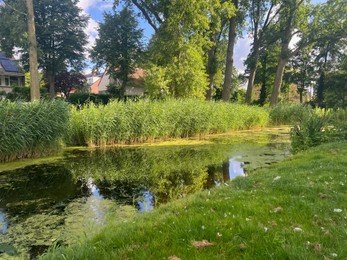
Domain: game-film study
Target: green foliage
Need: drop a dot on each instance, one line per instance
(31, 129)
(23, 93)
(59, 30)
(315, 128)
(308, 133)
(177, 52)
(82, 98)
(120, 122)
(288, 114)
(336, 89)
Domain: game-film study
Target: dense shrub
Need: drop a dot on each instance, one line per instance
(81, 98)
(317, 127)
(31, 129)
(120, 122)
(288, 114)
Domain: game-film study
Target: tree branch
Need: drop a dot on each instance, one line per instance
(14, 9)
(145, 14)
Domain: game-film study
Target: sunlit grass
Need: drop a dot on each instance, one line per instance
(31, 129)
(134, 122)
(295, 209)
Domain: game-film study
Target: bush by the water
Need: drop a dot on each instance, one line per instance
(31, 129)
(119, 122)
(288, 114)
(316, 128)
(81, 98)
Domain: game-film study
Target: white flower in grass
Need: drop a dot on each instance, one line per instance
(219, 234)
(297, 229)
(265, 229)
(203, 227)
(338, 210)
(333, 254)
(277, 178)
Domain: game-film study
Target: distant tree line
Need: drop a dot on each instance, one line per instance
(191, 53)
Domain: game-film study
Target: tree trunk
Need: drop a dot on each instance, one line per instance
(301, 90)
(211, 71)
(250, 85)
(227, 86)
(284, 56)
(263, 94)
(51, 80)
(278, 81)
(34, 73)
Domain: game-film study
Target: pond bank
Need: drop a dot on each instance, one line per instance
(294, 209)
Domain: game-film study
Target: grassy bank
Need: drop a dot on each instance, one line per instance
(119, 122)
(31, 129)
(292, 210)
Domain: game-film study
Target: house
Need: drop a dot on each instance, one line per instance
(135, 88)
(92, 78)
(10, 74)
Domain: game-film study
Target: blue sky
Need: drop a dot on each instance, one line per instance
(96, 8)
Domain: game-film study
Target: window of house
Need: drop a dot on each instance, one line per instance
(7, 81)
(13, 81)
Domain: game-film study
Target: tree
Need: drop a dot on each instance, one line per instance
(34, 78)
(60, 37)
(66, 81)
(261, 15)
(178, 50)
(204, 39)
(119, 45)
(293, 21)
(336, 85)
(59, 33)
(329, 31)
(229, 64)
(7, 40)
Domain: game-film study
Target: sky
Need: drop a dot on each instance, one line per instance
(95, 9)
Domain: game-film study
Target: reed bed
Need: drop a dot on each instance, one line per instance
(130, 122)
(31, 129)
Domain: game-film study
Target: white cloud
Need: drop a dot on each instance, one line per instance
(86, 4)
(241, 51)
(101, 5)
(92, 32)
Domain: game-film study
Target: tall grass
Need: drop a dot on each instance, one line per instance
(119, 122)
(288, 114)
(317, 127)
(31, 129)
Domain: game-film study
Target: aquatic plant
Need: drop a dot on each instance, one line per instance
(31, 129)
(119, 122)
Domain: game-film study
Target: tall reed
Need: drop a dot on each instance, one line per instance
(119, 122)
(31, 129)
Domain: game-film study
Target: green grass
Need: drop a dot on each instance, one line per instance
(295, 209)
(31, 129)
(134, 122)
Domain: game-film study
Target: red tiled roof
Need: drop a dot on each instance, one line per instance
(94, 88)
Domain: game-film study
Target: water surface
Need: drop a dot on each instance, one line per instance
(68, 198)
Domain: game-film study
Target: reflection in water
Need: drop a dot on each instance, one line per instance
(94, 201)
(146, 204)
(60, 201)
(3, 224)
(235, 167)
